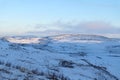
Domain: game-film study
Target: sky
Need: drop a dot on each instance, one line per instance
(81, 16)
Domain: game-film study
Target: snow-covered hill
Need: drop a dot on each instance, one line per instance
(61, 57)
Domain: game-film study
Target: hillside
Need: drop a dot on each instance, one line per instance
(61, 57)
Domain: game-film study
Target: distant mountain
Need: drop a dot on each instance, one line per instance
(80, 37)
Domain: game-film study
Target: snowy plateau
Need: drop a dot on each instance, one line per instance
(60, 57)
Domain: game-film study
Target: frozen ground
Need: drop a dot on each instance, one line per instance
(61, 57)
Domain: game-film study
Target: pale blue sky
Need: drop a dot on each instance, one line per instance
(18, 16)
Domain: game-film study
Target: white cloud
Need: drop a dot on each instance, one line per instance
(79, 27)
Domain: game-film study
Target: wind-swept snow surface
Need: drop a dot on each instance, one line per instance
(61, 57)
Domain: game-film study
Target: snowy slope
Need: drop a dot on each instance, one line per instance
(61, 57)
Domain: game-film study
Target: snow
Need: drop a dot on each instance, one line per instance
(25, 41)
(77, 57)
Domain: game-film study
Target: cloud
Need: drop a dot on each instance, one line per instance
(79, 27)
(97, 27)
